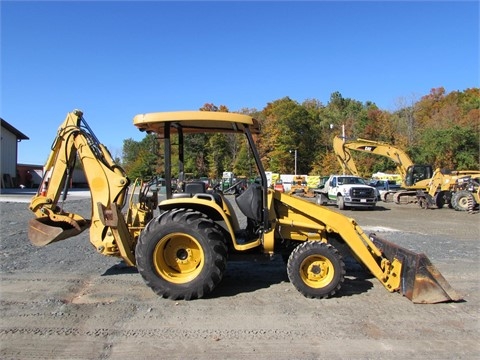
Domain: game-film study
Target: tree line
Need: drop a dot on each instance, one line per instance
(441, 129)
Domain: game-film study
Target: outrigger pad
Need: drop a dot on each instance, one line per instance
(43, 231)
(421, 282)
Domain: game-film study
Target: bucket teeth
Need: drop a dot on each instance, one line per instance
(420, 280)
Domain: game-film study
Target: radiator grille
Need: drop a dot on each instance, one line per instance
(362, 193)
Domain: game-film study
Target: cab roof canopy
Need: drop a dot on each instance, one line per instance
(195, 122)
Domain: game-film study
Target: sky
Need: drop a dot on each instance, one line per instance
(116, 59)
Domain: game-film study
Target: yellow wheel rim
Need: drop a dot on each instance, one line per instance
(317, 271)
(178, 258)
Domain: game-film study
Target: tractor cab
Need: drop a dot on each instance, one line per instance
(172, 128)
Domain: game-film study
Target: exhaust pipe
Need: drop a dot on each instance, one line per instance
(420, 280)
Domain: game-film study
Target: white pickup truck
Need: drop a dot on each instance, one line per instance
(346, 191)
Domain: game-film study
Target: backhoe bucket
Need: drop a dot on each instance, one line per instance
(420, 280)
(43, 231)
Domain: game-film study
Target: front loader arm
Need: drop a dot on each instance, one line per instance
(297, 218)
(108, 186)
(398, 269)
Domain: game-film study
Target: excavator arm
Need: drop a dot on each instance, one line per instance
(109, 232)
(342, 150)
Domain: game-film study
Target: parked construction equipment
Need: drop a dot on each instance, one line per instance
(420, 184)
(182, 252)
(466, 194)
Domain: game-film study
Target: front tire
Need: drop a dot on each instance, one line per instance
(341, 203)
(440, 199)
(316, 269)
(181, 254)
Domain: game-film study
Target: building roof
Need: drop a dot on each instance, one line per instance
(17, 133)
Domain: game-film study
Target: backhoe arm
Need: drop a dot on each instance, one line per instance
(108, 186)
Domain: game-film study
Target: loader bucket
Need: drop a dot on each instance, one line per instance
(43, 231)
(421, 282)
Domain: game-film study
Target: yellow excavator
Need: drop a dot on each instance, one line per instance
(420, 183)
(180, 245)
(414, 177)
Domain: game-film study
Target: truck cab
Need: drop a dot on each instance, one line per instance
(383, 186)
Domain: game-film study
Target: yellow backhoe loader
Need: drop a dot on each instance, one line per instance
(420, 183)
(300, 187)
(182, 252)
(466, 193)
(457, 189)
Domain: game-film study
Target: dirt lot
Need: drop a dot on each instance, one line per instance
(65, 301)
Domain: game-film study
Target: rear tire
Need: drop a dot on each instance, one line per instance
(322, 199)
(181, 254)
(461, 199)
(316, 269)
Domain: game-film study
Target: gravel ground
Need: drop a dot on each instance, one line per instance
(65, 301)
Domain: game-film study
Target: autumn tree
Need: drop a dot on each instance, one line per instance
(441, 129)
(449, 134)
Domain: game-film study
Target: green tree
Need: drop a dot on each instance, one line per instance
(195, 158)
(220, 149)
(141, 159)
(288, 127)
(244, 163)
(218, 156)
(339, 113)
(454, 148)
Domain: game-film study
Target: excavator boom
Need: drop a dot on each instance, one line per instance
(342, 150)
(414, 177)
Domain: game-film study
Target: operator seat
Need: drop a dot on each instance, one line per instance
(250, 202)
(198, 187)
(195, 187)
(191, 188)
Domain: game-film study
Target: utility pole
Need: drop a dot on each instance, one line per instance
(295, 154)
